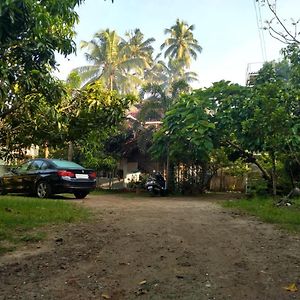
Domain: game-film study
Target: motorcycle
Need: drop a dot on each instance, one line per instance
(156, 185)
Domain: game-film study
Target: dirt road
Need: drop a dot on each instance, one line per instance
(156, 248)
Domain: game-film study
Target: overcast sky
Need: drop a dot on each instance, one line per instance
(226, 29)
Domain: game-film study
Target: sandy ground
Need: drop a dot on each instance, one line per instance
(156, 248)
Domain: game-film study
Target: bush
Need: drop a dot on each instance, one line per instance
(256, 186)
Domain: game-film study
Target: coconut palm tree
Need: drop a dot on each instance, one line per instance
(167, 74)
(181, 44)
(174, 72)
(112, 60)
(164, 83)
(137, 47)
(158, 98)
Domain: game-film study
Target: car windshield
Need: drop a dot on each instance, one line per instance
(65, 164)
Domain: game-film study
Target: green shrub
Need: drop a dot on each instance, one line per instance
(256, 185)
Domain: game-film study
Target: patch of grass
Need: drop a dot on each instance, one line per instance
(287, 217)
(4, 249)
(20, 216)
(33, 237)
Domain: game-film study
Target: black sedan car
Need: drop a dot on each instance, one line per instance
(45, 177)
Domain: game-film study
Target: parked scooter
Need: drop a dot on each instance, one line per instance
(156, 185)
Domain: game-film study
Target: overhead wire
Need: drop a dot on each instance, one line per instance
(259, 24)
(262, 31)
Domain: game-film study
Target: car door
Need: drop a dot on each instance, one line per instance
(31, 175)
(14, 180)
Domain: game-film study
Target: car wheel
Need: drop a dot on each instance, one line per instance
(43, 189)
(2, 189)
(80, 194)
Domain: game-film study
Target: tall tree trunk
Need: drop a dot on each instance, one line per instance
(110, 180)
(46, 149)
(111, 82)
(167, 172)
(70, 151)
(274, 175)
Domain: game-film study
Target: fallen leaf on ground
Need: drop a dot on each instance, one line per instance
(105, 296)
(291, 288)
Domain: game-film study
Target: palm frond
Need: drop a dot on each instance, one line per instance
(88, 74)
(171, 51)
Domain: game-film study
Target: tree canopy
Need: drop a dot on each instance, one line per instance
(258, 125)
(119, 63)
(30, 33)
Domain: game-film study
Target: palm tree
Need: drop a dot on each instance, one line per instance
(181, 45)
(104, 55)
(174, 72)
(116, 62)
(154, 102)
(140, 51)
(164, 84)
(166, 75)
(137, 47)
(158, 98)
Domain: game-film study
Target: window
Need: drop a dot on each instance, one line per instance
(44, 166)
(65, 164)
(36, 165)
(23, 168)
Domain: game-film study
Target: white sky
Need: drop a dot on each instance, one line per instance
(226, 29)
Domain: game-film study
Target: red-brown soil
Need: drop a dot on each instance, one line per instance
(156, 248)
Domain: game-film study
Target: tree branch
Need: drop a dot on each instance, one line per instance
(279, 34)
(294, 39)
(266, 175)
(277, 38)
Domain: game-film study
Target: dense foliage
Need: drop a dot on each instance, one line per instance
(36, 108)
(258, 125)
(127, 65)
(30, 33)
(74, 128)
(225, 125)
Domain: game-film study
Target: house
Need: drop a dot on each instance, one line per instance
(134, 162)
